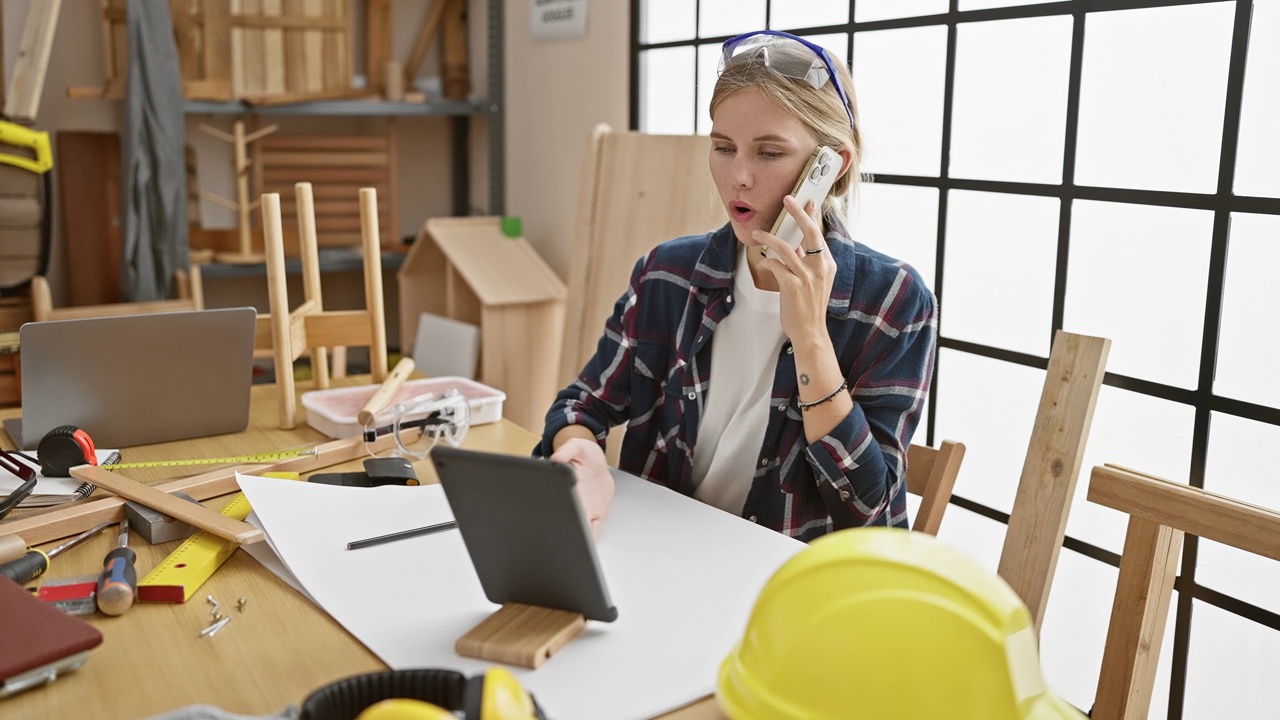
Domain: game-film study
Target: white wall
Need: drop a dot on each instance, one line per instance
(556, 93)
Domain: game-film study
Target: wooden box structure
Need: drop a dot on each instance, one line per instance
(468, 270)
(245, 49)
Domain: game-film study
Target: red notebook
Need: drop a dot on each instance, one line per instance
(38, 642)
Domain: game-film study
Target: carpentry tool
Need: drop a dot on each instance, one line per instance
(73, 596)
(60, 466)
(179, 575)
(33, 564)
(119, 580)
(197, 515)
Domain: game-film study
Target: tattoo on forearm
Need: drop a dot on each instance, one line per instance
(804, 378)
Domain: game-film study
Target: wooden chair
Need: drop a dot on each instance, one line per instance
(931, 474)
(1038, 522)
(309, 327)
(190, 297)
(1160, 513)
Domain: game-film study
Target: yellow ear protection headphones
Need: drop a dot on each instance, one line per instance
(423, 695)
(63, 448)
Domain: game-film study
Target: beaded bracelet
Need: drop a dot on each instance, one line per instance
(806, 405)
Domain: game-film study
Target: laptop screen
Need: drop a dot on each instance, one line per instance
(138, 379)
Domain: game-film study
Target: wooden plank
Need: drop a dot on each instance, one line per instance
(426, 35)
(379, 41)
(1138, 616)
(255, 76)
(187, 31)
(89, 185)
(239, 69)
(456, 57)
(339, 327)
(337, 63)
(192, 513)
(336, 159)
(294, 49)
(635, 191)
(319, 175)
(216, 43)
(324, 142)
(501, 270)
(273, 52)
(289, 19)
(326, 191)
(1039, 519)
(1199, 512)
(26, 84)
(313, 50)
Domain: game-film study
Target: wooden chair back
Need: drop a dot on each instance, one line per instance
(931, 475)
(190, 292)
(1038, 522)
(1160, 513)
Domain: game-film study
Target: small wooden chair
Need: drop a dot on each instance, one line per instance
(931, 474)
(1160, 513)
(190, 297)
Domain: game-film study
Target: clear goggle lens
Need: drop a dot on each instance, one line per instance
(787, 57)
(417, 424)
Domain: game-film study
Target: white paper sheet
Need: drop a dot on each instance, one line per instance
(683, 575)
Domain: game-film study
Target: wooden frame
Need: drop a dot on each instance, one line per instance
(1160, 512)
(1077, 364)
(309, 326)
(337, 166)
(188, 282)
(242, 49)
(931, 474)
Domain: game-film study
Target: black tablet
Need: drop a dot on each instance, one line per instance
(526, 532)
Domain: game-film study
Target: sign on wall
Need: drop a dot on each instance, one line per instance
(551, 20)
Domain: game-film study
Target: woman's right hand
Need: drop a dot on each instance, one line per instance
(595, 484)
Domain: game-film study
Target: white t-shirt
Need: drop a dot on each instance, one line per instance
(744, 358)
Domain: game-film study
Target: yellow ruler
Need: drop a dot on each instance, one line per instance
(239, 459)
(181, 574)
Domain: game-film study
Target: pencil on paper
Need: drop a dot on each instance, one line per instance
(429, 529)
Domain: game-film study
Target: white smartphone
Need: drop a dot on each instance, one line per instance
(813, 184)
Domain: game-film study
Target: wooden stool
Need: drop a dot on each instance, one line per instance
(310, 326)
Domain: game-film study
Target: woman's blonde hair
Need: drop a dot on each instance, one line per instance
(820, 109)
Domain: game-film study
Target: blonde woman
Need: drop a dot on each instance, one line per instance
(778, 383)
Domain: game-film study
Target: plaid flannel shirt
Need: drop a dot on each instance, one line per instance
(652, 365)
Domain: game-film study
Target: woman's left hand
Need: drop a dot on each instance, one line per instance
(806, 276)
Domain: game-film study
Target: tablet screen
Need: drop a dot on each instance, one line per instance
(525, 530)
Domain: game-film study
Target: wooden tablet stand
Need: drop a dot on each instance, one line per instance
(523, 635)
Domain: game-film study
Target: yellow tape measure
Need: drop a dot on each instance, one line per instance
(238, 459)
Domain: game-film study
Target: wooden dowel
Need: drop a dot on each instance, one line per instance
(386, 391)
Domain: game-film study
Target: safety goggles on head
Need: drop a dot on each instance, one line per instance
(812, 64)
(417, 424)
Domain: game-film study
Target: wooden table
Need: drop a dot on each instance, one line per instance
(271, 655)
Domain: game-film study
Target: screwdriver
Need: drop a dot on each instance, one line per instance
(119, 580)
(33, 564)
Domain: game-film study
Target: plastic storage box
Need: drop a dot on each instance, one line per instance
(333, 412)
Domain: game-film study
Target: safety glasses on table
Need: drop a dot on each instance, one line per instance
(789, 56)
(14, 462)
(417, 424)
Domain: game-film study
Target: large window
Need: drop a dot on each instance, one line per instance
(1108, 168)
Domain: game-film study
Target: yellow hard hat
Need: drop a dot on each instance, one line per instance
(887, 623)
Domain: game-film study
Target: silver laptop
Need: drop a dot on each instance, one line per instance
(137, 379)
